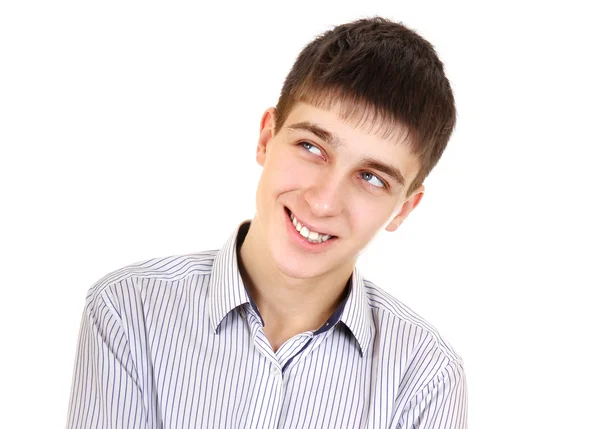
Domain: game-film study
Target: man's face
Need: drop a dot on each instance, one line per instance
(336, 179)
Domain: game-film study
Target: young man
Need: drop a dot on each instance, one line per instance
(278, 329)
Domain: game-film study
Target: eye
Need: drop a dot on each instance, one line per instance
(311, 148)
(373, 180)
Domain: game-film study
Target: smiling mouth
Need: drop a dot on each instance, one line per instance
(310, 236)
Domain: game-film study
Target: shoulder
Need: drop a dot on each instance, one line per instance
(167, 268)
(404, 322)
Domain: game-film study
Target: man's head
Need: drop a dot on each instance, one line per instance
(363, 116)
(382, 74)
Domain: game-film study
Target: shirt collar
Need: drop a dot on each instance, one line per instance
(226, 291)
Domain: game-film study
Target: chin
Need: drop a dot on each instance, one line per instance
(297, 272)
(296, 266)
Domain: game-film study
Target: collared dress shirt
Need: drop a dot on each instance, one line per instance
(177, 342)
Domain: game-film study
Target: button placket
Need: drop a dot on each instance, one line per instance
(275, 372)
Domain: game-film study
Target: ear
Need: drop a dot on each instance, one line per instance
(267, 132)
(409, 205)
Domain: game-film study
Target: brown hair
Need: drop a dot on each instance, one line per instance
(379, 71)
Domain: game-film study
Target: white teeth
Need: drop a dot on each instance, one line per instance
(313, 237)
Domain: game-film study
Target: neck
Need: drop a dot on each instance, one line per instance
(287, 305)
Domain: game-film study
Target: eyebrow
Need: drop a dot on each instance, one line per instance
(336, 143)
(318, 131)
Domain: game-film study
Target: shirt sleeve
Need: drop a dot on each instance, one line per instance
(441, 404)
(105, 391)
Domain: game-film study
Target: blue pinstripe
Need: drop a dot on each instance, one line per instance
(177, 342)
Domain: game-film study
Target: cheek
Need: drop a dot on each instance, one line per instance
(286, 173)
(367, 215)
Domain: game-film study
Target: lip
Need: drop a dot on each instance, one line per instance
(307, 225)
(299, 240)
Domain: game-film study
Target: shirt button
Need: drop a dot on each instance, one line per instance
(274, 371)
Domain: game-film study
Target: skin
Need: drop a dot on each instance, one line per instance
(329, 187)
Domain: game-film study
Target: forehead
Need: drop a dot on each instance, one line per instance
(355, 137)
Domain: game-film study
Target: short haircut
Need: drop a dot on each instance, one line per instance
(379, 71)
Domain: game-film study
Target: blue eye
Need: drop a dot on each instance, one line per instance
(307, 146)
(370, 176)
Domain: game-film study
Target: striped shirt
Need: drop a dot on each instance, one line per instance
(177, 342)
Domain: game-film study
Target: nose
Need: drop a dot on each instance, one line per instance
(325, 197)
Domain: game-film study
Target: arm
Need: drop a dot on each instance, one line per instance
(106, 391)
(441, 404)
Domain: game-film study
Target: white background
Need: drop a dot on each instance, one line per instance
(128, 131)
